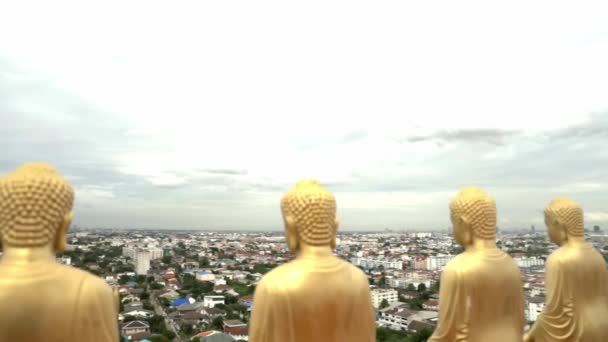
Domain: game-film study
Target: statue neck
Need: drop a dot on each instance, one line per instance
(479, 244)
(306, 250)
(575, 241)
(27, 255)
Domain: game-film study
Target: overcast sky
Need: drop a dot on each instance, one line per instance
(202, 114)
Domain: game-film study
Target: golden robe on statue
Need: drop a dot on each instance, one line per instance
(576, 307)
(481, 299)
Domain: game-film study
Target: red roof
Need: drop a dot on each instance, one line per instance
(240, 331)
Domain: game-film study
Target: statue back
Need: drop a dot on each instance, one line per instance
(481, 298)
(578, 279)
(34, 310)
(313, 300)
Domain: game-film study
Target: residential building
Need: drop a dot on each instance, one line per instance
(135, 327)
(535, 307)
(212, 301)
(378, 295)
(437, 262)
(375, 263)
(236, 329)
(431, 304)
(525, 262)
(205, 276)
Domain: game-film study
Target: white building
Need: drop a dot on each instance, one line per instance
(212, 301)
(205, 276)
(525, 262)
(378, 295)
(437, 262)
(534, 308)
(141, 257)
(375, 263)
(142, 263)
(63, 260)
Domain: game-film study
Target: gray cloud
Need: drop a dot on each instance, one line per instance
(39, 121)
(488, 136)
(224, 171)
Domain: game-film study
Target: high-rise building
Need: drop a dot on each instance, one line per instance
(142, 262)
(596, 229)
(141, 257)
(533, 229)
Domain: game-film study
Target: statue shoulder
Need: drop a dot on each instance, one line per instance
(95, 287)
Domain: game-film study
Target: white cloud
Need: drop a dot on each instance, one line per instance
(596, 217)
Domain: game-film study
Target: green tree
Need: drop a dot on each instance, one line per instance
(150, 279)
(148, 306)
(169, 334)
(123, 279)
(156, 286)
(411, 287)
(159, 338)
(144, 296)
(422, 335)
(231, 299)
(384, 304)
(187, 329)
(167, 259)
(421, 287)
(435, 286)
(203, 262)
(218, 323)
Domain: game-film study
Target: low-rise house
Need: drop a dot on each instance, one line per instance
(135, 327)
(138, 313)
(221, 288)
(431, 304)
(205, 276)
(212, 301)
(236, 329)
(415, 326)
(213, 336)
(213, 312)
(189, 307)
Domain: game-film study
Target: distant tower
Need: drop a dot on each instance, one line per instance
(497, 230)
(533, 229)
(596, 229)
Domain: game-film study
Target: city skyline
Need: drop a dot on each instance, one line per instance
(205, 115)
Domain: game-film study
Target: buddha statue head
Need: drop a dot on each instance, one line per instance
(309, 214)
(473, 216)
(564, 220)
(35, 208)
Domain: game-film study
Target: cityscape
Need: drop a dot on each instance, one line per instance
(184, 285)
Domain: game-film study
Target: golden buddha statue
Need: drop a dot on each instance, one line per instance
(576, 307)
(42, 300)
(481, 293)
(317, 296)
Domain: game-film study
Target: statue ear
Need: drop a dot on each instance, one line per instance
(291, 231)
(62, 231)
(332, 242)
(467, 230)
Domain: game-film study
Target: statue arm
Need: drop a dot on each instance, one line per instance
(451, 308)
(556, 317)
(96, 318)
(365, 317)
(261, 322)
